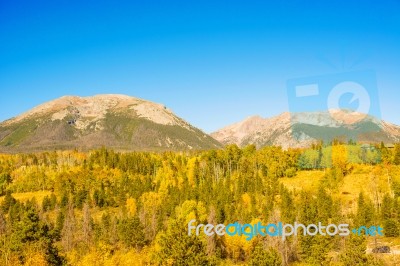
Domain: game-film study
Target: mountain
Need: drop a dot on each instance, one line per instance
(303, 129)
(116, 121)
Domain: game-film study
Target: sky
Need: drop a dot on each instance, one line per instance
(212, 62)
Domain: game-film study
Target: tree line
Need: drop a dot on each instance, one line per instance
(110, 208)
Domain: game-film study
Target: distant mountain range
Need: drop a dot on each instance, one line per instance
(126, 123)
(116, 121)
(303, 129)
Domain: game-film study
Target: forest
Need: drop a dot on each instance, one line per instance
(132, 208)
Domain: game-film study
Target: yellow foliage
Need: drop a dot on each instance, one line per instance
(72, 257)
(339, 156)
(238, 246)
(191, 209)
(246, 201)
(156, 248)
(96, 257)
(151, 200)
(166, 177)
(36, 259)
(191, 172)
(131, 206)
(304, 180)
(92, 259)
(11, 260)
(235, 246)
(132, 257)
(24, 197)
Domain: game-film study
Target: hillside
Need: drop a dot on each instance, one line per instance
(116, 121)
(303, 129)
(120, 208)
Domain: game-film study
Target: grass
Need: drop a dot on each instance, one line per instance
(307, 180)
(393, 243)
(24, 197)
(142, 133)
(351, 187)
(370, 180)
(20, 132)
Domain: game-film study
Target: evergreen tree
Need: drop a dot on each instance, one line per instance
(30, 231)
(391, 228)
(131, 232)
(365, 211)
(8, 202)
(396, 155)
(178, 248)
(354, 253)
(287, 204)
(3, 224)
(261, 257)
(5, 180)
(386, 209)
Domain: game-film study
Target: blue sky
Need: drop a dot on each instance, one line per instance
(212, 62)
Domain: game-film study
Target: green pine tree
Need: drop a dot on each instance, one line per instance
(261, 257)
(178, 248)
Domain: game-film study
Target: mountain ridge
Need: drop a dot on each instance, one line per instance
(298, 130)
(128, 123)
(113, 120)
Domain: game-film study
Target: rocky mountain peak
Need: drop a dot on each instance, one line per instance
(302, 129)
(118, 121)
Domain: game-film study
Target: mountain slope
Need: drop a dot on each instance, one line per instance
(115, 121)
(303, 129)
